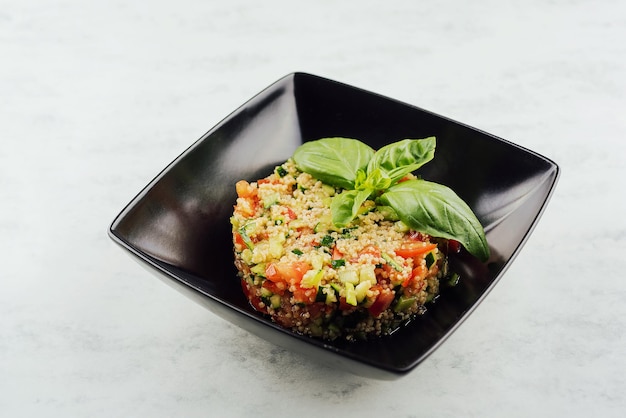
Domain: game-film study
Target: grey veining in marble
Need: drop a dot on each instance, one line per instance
(97, 97)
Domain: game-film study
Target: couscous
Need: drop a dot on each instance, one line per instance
(296, 265)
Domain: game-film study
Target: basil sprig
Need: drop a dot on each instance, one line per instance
(364, 173)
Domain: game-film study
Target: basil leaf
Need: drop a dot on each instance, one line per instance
(334, 161)
(436, 210)
(400, 158)
(376, 180)
(344, 206)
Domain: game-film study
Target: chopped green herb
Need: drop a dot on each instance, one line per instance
(327, 241)
(281, 171)
(338, 263)
(297, 251)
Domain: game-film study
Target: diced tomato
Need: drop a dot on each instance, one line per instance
(287, 272)
(272, 180)
(302, 295)
(316, 309)
(275, 287)
(416, 236)
(382, 302)
(343, 305)
(337, 255)
(418, 274)
(245, 189)
(371, 250)
(453, 246)
(254, 300)
(410, 249)
(238, 239)
(291, 214)
(307, 230)
(271, 273)
(405, 178)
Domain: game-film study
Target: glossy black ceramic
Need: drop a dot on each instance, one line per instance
(179, 226)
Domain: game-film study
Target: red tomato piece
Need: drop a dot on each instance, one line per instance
(371, 250)
(343, 305)
(287, 272)
(337, 255)
(254, 300)
(302, 295)
(271, 273)
(412, 249)
(454, 246)
(418, 273)
(382, 302)
(416, 236)
(291, 214)
(238, 239)
(245, 189)
(275, 287)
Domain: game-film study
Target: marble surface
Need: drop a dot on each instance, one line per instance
(97, 97)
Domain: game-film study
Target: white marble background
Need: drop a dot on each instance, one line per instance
(97, 97)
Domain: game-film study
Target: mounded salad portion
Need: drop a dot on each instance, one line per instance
(344, 241)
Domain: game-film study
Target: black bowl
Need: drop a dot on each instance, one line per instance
(179, 225)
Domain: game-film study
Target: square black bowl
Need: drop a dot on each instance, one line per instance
(178, 225)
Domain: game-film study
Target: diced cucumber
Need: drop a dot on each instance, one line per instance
(312, 279)
(367, 274)
(401, 226)
(430, 259)
(245, 232)
(331, 296)
(324, 224)
(349, 276)
(350, 294)
(276, 247)
(266, 293)
(258, 269)
(392, 263)
(246, 256)
(404, 303)
(297, 223)
(270, 199)
(453, 280)
(361, 290)
(317, 260)
(275, 301)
